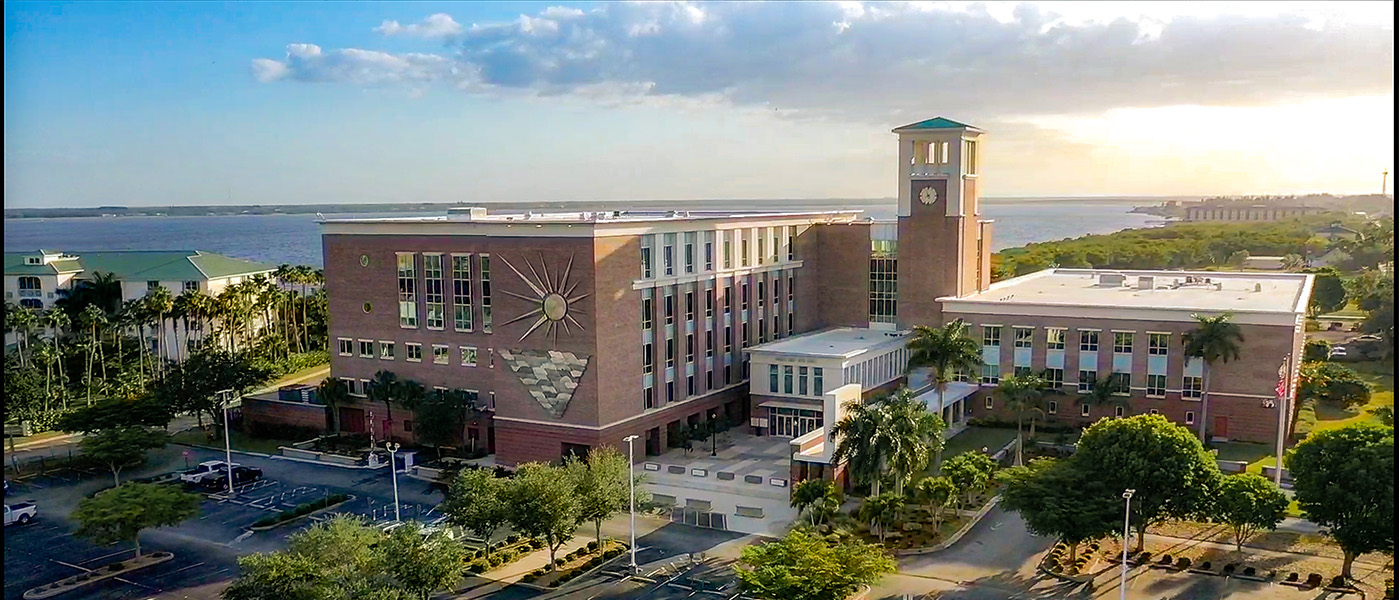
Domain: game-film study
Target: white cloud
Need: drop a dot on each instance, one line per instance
(436, 26)
(887, 62)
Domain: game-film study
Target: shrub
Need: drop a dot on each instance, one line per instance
(1205, 566)
(512, 538)
(1292, 577)
(1229, 568)
(536, 544)
(559, 562)
(554, 583)
(1249, 571)
(1166, 560)
(1339, 582)
(116, 566)
(1314, 579)
(592, 546)
(1183, 562)
(1145, 556)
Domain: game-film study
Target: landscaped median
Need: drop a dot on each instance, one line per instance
(64, 586)
(300, 511)
(574, 564)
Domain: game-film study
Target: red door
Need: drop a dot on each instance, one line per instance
(352, 420)
(1222, 427)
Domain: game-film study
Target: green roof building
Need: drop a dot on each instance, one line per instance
(33, 279)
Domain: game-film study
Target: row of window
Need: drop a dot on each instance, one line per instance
(1053, 407)
(696, 249)
(1022, 337)
(413, 351)
(668, 301)
(29, 283)
(435, 290)
(1156, 385)
(798, 374)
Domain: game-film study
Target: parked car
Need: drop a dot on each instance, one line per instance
(1337, 352)
(241, 475)
(1370, 337)
(20, 513)
(203, 470)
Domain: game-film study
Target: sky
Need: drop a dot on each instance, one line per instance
(167, 103)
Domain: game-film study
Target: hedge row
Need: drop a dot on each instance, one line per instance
(302, 509)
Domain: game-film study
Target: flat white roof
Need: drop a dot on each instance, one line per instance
(841, 342)
(600, 216)
(1169, 290)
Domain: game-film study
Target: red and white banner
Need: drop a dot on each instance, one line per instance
(1281, 390)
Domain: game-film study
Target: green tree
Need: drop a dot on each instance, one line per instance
(864, 443)
(341, 558)
(600, 484)
(121, 447)
(25, 398)
(119, 514)
(915, 435)
(808, 495)
(1344, 479)
(1172, 473)
(1021, 393)
(543, 505)
(1316, 350)
(334, 393)
(1215, 339)
(936, 493)
(142, 411)
(193, 385)
(882, 512)
(971, 472)
(1332, 383)
(423, 564)
(1106, 392)
(384, 388)
(1328, 293)
(802, 566)
(1249, 503)
(479, 502)
(1056, 497)
(945, 351)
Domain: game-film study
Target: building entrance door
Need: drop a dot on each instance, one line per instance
(793, 422)
(1222, 427)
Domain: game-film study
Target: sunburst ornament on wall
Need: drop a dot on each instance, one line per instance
(553, 299)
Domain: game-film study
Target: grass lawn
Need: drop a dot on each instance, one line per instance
(237, 440)
(1381, 376)
(976, 438)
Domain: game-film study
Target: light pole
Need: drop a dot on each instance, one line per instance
(228, 447)
(393, 447)
(631, 502)
(1127, 510)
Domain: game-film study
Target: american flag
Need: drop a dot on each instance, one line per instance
(1281, 390)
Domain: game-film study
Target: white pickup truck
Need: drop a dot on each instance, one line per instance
(20, 513)
(206, 468)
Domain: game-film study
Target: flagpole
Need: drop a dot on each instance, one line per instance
(1285, 383)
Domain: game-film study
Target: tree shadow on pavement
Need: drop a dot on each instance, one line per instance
(1007, 585)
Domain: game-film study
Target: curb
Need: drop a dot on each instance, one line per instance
(280, 457)
(31, 594)
(957, 535)
(242, 452)
(298, 518)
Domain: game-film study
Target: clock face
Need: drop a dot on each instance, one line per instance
(928, 195)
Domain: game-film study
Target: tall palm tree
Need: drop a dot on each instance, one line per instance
(58, 321)
(91, 319)
(944, 351)
(181, 312)
(863, 443)
(1021, 393)
(161, 303)
(1104, 393)
(45, 355)
(915, 434)
(411, 395)
(334, 393)
(22, 320)
(384, 388)
(1215, 339)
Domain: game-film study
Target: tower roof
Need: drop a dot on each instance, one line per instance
(934, 123)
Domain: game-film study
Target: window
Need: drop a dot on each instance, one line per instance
(468, 355)
(646, 257)
(408, 426)
(789, 288)
(1122, 342)
(744, 295)
(762, 331)
(408, 292)
(386, 350)
(30, 286)
(709, 253)
(1152, 411)
(1088, 341)
(1052, 407)
(761, 245)
(988, 402)
(1054, 377)
(791, 234)
(991, 374)
(787, 379)
(415, 352)
(802, 381)
(728, 300)
(1055, 338)
(151, 285)
(670, 305)
(1122, 382)
(744, 338)
(1086, 381)
(728, 340)
(1023, 336)
(1083, 410)
(773, 379)
(646, 312)
(1190, 387)
(366, 348)
(1156, 386)
(709, 303)
(647, 359)
(462, 292)
(1191, 419)
(689, 385)
(728, 252)
(774, 249)
(486, 293)
(817, 381)
(690, 253)
(432, 290)
(667, 255)
(690, 306)
(1157, 343)
(647, 400)
(710, 345)
(762, 295)
(884, 279)
(191, 286)
(690, 347)
(743, 248)
(1021, 371)
(347, 346)
(670, 353)
(991, 335)
(1118, 412)
(970, 156)
(439, 354)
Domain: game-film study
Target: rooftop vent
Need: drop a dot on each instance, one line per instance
(1113, 279)
(1146, 282)
(469, 213)
(1258, 288)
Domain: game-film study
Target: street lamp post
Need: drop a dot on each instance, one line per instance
(631, 503)
(393, 447)
(228, 447)
(1127, 510)
(714, 436)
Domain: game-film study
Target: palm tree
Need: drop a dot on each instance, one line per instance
(936, 493)
(810, 495)
(384, 388)
(161, 303)
(334, 393)
(1104, 393)
(181, 313)
(22, 320)
(90, 319)
(1214, 339)
(882, 512)
(863, 442)
(945, 351)
(915, 433)
(1021, 393)
(58, 321)
(45, 355)
(411, 396)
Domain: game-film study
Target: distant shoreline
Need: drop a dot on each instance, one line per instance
(420, 207)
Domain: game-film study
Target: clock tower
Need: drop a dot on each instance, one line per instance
(944, 245)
